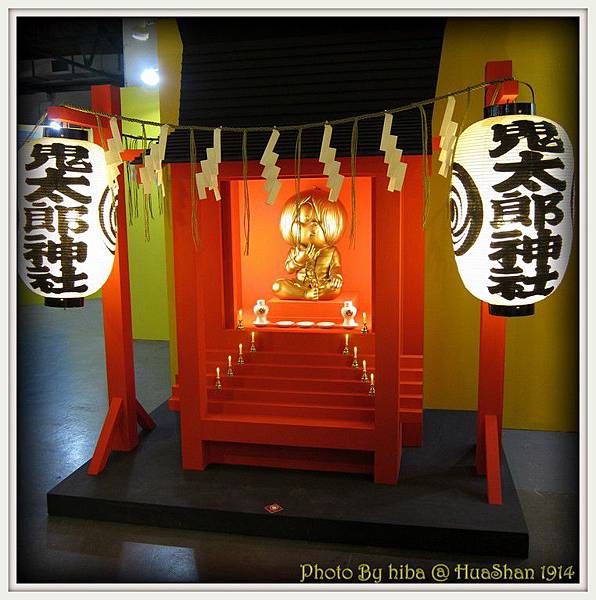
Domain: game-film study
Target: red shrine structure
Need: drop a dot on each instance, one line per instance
(297, 402)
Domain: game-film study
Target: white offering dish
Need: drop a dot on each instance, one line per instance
(305, 324)
(326, 324)
(350, 326)
(285, 323)
(265, 324)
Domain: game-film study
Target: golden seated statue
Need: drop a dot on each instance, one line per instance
(312, 226)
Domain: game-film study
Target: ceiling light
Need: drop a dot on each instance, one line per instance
(150, 77)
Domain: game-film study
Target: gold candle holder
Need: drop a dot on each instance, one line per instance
(355, 360)
(230, 373)
(240, 325)
(346, 349)
(364, 377)
(240, 355)
(364, 327)
(253, 348)
(371, 389)
(218, 385)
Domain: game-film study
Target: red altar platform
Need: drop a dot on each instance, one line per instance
(302, 310)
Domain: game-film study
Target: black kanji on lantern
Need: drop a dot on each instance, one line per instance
(531, 167)
(506, 246)
(69, 158)
(531, 171)
(67, 220)
(541, 136)
(38, 218)
(546, 209)
(55, 185)
(511, 208)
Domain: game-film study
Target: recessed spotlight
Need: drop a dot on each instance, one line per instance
(140, 32)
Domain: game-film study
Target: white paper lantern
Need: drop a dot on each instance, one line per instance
(66, 218)
(511, 205)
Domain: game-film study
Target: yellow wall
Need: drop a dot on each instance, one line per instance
(147, 260)
(541, 385)
(169, 56)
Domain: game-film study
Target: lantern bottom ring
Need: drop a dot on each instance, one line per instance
(511, 311)
(64, 302)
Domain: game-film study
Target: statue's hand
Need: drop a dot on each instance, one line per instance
(312, 293)
(335, 282)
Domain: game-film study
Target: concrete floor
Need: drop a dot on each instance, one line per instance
(61, 404)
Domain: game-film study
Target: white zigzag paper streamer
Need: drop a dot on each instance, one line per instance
(152, 161)
(210, 169)
(448, 138)
(271, 171)
(396, 169)
(332, 166)
(115, 145)
(112, 156)
(145, 180)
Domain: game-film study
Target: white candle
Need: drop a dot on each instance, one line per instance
(229, 360)
(347, 339)
(372, 379)
(355, 351)
(364, 317)
(217, 371)
(364, 365)
(240, 348)
(240, 315)
(252, 337)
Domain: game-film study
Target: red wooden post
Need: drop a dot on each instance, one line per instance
(119, 431)
(386, 297)
(491, 369)
(189, 322)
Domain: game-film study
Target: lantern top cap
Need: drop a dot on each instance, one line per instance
(69, 133)
(513, 108)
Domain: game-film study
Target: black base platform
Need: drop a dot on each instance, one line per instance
(439, 503)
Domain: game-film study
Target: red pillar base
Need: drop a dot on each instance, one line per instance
(493, 460)
(105, 442)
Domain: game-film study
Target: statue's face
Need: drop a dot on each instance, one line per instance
(311, 231)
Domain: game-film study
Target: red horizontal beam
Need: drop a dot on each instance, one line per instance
(72, 116)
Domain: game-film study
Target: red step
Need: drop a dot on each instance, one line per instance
(287, 358)
(307, 397)
(346, 372)
(286, 383)
(303, 411)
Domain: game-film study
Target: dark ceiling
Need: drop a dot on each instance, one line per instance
(70, 41)
(268, 71)
(44, 37)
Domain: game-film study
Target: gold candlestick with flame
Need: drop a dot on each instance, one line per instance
(230, 372)
(240, 324)
(218, 385)
(364, 327)
(240, 355)
(346, 349)
(371, 389)
(355, 360)
(364, 377)
(253, 348)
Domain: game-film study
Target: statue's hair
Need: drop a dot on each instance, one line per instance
(331, 215)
